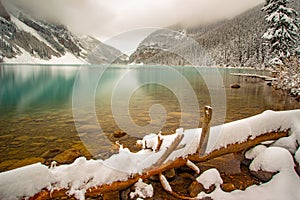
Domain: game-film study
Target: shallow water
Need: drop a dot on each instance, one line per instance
(61, 107)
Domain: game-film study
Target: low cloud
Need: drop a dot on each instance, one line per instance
(104, 18)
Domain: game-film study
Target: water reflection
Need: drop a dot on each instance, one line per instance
(36, 105)
(27, 88)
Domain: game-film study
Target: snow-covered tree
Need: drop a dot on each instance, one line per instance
(283, 28)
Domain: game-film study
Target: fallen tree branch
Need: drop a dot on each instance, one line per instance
(179, 162)
(205, 130)
(170, 149)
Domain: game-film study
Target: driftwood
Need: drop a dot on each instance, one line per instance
(205, 130)
(118, 186)
(159, 167)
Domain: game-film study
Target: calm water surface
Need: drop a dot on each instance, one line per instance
(36, 112)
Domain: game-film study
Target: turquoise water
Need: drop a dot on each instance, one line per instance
(62, 107)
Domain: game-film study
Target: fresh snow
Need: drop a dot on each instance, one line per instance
(26, 58)
(24, 182)
(193, 166)
(241, 130)
(84, 174)
(210, 177)
(252, 153)
(289, 143)
(284, 185)
(269, 161)
(142, 190)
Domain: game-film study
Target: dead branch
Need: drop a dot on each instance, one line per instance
(205, 130)
(169, 150)
(179, 162)
(159, 142)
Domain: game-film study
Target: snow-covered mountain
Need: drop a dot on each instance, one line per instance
(234, 42)
(25, 39)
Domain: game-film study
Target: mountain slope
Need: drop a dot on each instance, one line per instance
(28, 40)
(235, 42)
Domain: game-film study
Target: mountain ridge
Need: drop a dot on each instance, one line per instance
(231, 42)
(25, 39)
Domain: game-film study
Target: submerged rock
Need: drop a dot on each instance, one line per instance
(119, 133)
(263, 176)
(68, 156)
(51, 153)
(235, 86)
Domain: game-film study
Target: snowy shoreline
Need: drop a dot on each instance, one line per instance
(83, 174)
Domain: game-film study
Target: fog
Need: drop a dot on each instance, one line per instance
(106, 18)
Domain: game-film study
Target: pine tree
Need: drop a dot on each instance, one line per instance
(283, 28)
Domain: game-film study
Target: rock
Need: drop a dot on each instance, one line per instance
(195, 188)
(68, 156)
(263, 176)
(119, 133)
(298, 98)
(228, 187)
(297, 169)
(246, 162)
(51, 153)
(125, 194)
(154, 178)
(170, 174)
(187, 176)
(235, 86)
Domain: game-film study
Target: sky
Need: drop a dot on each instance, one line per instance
(107, 20)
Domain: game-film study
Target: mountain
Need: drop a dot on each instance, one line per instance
(25, 39)
(233, 42)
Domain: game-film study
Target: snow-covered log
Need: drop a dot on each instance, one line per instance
(96, 177)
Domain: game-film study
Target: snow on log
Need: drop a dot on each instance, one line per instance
(210, 177)
(96, 177)
(194, 167)
(164, 182)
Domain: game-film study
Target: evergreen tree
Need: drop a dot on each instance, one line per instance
(283, 28)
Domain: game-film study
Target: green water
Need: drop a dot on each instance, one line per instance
(62, 107)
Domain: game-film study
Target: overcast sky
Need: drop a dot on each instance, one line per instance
(107, 18)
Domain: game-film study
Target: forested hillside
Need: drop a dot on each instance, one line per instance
(233, 42)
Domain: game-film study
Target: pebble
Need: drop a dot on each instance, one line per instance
(228, 187)
(119, 133)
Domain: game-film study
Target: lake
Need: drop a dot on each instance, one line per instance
(45, 110)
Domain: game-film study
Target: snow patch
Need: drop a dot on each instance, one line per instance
(142, 190)
(26, 58)
(254, 152)
(24, 182)
(273, 159)
(210, 177)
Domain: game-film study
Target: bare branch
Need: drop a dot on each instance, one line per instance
(205, 130)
